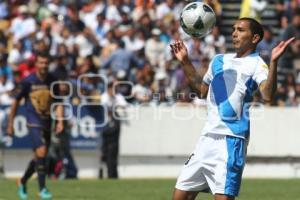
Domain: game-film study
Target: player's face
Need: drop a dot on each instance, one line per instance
(42, 65)
(242, 37)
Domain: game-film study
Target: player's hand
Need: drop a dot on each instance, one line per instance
(180, 51)
(59, 127)
(10, 130)
(280, 48)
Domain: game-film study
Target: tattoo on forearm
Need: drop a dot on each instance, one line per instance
(195, 83)
(194, 78)
(197, 80)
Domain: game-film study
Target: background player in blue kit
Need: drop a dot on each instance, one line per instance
(38, 99)
(217, 163)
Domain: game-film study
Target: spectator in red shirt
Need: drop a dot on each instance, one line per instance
(27, 67)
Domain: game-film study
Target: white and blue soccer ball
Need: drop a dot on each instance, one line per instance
(197, 19)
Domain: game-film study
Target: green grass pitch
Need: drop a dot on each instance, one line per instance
(149, 189)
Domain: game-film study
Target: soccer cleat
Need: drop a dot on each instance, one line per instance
(22, 191)
(45, 194)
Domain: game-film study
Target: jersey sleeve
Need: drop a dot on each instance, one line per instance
(23, 90)
(56, 93)
(55, 88)
(208, 76)
(261, 72)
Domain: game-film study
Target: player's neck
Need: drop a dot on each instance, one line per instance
(241, 54)
(41, 76)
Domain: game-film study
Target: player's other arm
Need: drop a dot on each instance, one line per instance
(60, 123)
(23, 92)
(13, 111)
(59, 109)
(268, 87)
(194, 79)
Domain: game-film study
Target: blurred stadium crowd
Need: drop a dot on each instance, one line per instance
(127, 41)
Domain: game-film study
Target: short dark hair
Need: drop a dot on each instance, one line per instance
(121, 43)
(43, 54)
(268, 28)
(255, 27)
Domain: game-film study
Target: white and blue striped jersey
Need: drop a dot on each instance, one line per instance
(232, 82)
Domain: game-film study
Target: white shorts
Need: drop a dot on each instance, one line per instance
(215, 166)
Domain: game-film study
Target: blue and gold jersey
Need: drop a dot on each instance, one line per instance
(38, 100)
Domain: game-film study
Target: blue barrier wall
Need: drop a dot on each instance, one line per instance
(84, 126)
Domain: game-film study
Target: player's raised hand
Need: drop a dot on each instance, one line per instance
(180, 51)
(280, 48)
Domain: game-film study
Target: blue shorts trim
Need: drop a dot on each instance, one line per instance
(236, 148)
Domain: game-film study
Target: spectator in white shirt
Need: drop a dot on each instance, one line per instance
(23, 25)
(154, 49)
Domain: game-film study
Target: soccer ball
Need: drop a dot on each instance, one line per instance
(197, 19)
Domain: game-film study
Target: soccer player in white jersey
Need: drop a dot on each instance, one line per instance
(217, 163)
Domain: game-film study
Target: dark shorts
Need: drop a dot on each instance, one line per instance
(39, 137)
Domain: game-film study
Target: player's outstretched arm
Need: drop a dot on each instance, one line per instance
(181, 54)
(268, 88)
